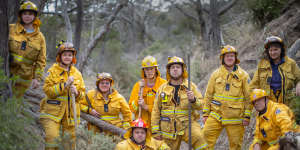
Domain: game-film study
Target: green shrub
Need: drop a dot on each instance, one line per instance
(293, 102)
(15, 124)
(265, 11)
(88, 140)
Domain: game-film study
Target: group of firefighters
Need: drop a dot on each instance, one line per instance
(160, 107)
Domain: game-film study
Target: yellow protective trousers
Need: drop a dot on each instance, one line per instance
(213, 128)
(198, 141)
(20, 86)
(52, 129)
(265, 146)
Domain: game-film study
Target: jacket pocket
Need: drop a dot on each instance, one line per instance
(53, 107)
(215, 105)
(33, 50)
(220, 85)
(290, 80)
(166, 124)
(236, 88)
(233, 110)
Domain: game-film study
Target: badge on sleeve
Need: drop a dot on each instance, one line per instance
(277, 111)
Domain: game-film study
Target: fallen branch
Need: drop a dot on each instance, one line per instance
(102, 124)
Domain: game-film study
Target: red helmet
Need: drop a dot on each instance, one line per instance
(139, 123)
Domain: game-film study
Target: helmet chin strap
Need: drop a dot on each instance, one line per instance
(265, 109)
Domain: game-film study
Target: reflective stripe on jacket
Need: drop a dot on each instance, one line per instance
(274, 123)
(290, 75)
(27, 52)
(115, 105)
(227, 96)
(58, 102)
(148, 96)
(169, 119)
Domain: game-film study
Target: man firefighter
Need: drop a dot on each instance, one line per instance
(273, 121)
(27, 47)
(138, 137)
(150, 83)
(276, 73)
(227, 103)
(63, 80)
(170, 119)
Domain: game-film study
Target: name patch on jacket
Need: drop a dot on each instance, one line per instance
(216, 102)
(56, 102)
(164, 118)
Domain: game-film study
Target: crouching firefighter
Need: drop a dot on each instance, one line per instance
(138, 137)
(63, 80)
(170, 119)
(273, 121)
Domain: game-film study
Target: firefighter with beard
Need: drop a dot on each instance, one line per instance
(170, 117)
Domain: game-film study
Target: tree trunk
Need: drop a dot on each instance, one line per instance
(84, 55)
(67, 20)
(78, 27)
(4, 52)
(294, 49)
(214, 29)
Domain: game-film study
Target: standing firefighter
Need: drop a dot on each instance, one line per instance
(63, 80)
(106, 104)
(276, 73)
(27, 49)
(170, 120)
(273, 121)
(138, 137)
(152, 81)
(227, 101)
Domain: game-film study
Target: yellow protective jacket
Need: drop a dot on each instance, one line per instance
(227, 96)
(274, 123)
(58, 102)
(290, 76)
(116, 105)
(150, 144)
(28, 63)
(148, 96)
(170, 119)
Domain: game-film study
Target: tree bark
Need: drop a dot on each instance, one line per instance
(78, 27)
(102, 124)
(294, 49)
(4, 51)
(67, 20)
(84, 55)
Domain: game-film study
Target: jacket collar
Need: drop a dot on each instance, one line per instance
(21, 30)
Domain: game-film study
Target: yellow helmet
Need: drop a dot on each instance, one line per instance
(65, 46)
(176, 60)
(229, 49)
(149, 61)
(257, 94)
(104, 76)
(28, 5)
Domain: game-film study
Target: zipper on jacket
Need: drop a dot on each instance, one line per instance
(283, 89)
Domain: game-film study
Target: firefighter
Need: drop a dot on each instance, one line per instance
(151, 81)
(106, 103)
(27, 47)
(273, 121)
(63, 80)
(276, 73)
(227, 103)
(138, 137)
(170, 119)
